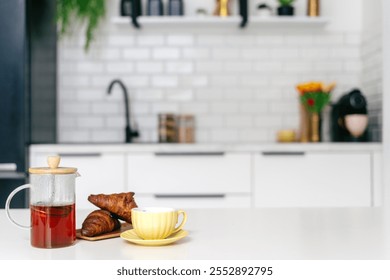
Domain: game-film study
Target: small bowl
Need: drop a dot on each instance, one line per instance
(286, 136)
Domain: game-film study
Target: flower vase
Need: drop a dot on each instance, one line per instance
(315, 127)
(304, 124)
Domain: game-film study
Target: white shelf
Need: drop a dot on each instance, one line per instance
(180, 21)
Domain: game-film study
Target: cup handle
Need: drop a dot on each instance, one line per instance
(8, 202)
(182, 222)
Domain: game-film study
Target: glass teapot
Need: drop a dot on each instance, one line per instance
(52, 205)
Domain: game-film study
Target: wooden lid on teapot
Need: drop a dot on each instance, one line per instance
(53, 162)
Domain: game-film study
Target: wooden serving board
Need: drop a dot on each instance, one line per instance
(113, 234)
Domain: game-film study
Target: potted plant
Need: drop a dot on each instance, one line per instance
(286, 8)
(89, 12)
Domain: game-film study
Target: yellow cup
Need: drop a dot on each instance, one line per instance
(156, 222)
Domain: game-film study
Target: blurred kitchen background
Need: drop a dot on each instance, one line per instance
(237, 85)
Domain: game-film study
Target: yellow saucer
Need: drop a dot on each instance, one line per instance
(131, 236)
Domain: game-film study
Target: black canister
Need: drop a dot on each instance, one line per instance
(128, 6)
(155, 8)
(175, 8)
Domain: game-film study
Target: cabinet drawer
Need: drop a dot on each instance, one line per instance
(100, 173)
(186, 202)
(313, 180)
(200, 173)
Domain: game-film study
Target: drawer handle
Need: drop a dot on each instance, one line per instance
(168, 154)
(80, 154)
(283, 153)
(8, 167)
(9, 175)
(189, 195)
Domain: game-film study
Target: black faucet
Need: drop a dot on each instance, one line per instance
(130, 134)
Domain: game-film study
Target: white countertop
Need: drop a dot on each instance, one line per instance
(121, 147)
(228, 234)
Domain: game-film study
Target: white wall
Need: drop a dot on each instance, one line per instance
(386, 101)
(372, 60)
(239, 84)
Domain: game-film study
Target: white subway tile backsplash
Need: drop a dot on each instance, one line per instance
(224, 135)
(136, 54)
(196, 53)
(224, 108)
(113, 122)
(198, 108)
(151, 40)
(165, 81)
(225, 53)
(166, 53)
(253, 135)
(121, 41)
(149, 95)
(180, 67)
(224, 80)
(254, 80)
(135, 81)
(105, 108)
(75, 108)
(103, 54)
(179, 95)
(268, 40)
(74, 81)
(237, 66)
(328, 40)
(149, 67)
(165, 107)
(180, 40)
(108, 135)
(209, 67)
(268, 121)
(239, 121)
(239, 85)
(194, 81)
(252, 54)
(209, 94)
(120, 67)
(253, 107)
(209, 121)
(75, 135)
(211, 40)
(140, 108)
(90, 122)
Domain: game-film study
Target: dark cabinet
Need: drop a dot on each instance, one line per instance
(27, 87)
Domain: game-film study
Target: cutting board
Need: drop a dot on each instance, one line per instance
(113, 234)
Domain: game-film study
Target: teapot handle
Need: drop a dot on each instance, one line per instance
(8, 202)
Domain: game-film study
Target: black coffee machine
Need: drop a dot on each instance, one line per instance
(351, 103)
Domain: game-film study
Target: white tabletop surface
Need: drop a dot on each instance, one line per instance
(226, 234)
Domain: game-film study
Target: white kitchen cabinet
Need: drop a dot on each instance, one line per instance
(215, 179)
(99, 173)
(310, 179)
(194, 201)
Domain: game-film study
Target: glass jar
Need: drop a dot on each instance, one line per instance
(186, 129)
(167, 128)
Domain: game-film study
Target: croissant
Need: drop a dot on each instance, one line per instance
(99, 222)
(118, 204)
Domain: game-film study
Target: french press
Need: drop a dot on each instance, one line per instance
(52, 205)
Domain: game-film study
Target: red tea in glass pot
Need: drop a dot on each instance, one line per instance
(52, 205)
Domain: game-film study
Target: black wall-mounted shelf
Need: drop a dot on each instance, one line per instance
(243, 9)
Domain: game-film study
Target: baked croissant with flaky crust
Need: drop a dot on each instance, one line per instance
(118, 204)
(99, 222)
